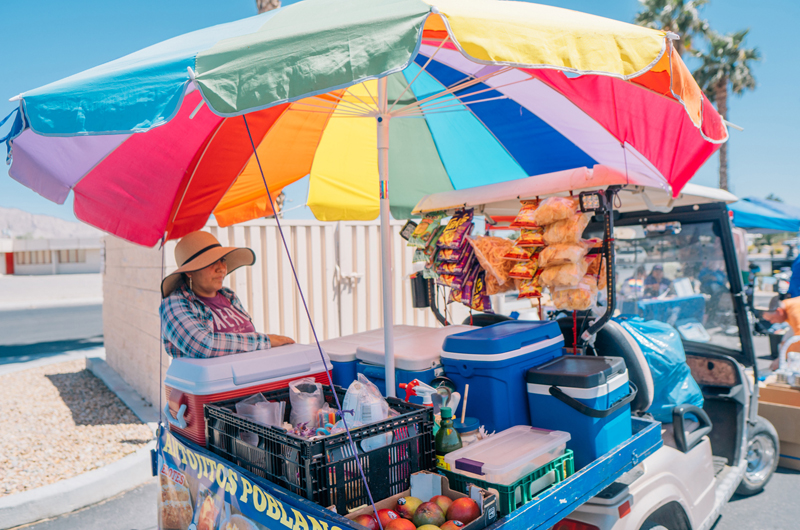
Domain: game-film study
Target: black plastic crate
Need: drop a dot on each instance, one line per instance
(325, 470)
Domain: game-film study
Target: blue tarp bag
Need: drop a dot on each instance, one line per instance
(662, 347)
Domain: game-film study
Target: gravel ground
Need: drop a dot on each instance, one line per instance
(59, 421)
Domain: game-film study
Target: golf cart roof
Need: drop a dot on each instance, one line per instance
(503, 199)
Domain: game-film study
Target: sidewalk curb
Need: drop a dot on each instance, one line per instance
(78, 492)
(94, 486)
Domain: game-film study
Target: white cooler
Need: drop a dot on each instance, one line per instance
(417, 355)
(190, 383)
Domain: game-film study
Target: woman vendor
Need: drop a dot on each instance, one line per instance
(201, 318)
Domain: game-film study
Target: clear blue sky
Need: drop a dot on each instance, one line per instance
(47, 40)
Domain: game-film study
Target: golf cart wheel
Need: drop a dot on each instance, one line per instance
(762, 457)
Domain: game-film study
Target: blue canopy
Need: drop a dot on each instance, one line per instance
(749, 215)
(781, 208)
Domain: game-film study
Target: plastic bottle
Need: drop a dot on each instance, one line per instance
(447, 439)
(468, 430)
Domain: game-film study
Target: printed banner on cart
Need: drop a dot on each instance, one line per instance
(200, 492)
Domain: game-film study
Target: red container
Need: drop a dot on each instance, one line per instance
(190, 383)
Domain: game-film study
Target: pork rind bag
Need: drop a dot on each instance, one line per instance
(530, 288)
(578, 298)
(459, 227)
(526, 216)
(531, 238)
(425, 229)
(524, 270)
(566, 275)
(561, 254)
(567, 230)
(518, 254)
(554, 209)
(490, 252)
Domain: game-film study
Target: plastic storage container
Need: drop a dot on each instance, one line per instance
(493, 361)
(190, 382)
(589, 397)
(508, 456)
(324, 470)
(417, 355)
(512, 496)
(342, 350)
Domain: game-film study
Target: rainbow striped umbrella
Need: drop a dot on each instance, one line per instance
(464, 92)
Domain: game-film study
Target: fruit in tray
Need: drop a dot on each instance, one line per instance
(451, 525)
(407, 507)
(428, 527)
(386, 516)
(367, 521)
(429, 513)
(464, 510)
(400, 524)
(442, 501)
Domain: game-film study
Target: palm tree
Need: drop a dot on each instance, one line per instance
(726, 66)
(681, 17)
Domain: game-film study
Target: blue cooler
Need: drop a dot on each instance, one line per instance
(588, 397)
(342, 351)
(493, 361)
(417, 355)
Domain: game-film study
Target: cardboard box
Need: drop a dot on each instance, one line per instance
(779, 393)
(786, 420)
(425, 485)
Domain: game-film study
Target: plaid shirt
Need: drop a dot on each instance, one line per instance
(188, 327)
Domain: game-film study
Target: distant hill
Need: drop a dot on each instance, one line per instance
(16, 223)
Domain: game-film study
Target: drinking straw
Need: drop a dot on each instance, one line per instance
(464, 404)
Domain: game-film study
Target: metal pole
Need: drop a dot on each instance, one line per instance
(386, 238)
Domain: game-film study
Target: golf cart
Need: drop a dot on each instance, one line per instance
(728, 449)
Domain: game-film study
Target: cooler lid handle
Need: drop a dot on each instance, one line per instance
(470, 466)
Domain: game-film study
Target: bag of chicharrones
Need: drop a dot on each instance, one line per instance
(490, 252)
(562, 253)
(569, 230)
(554, 209)
(566, 275)
(578, 298)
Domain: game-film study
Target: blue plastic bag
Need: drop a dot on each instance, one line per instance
(662, 347)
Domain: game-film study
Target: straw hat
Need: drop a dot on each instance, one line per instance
(198, 250)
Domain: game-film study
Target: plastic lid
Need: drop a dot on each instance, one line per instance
(447, 412)
(469, 425)
(503, 337)
(576, 371)
(416, 351)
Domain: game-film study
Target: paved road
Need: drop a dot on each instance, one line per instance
(49, 329)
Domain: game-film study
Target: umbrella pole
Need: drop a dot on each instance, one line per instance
(386, 238)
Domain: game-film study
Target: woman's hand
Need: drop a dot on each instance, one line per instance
(279, 340)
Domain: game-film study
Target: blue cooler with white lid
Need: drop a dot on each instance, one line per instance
(417, 355)
(493, 361)
(588, 397)
(342, 350)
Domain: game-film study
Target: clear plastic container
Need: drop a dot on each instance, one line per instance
(507, 456)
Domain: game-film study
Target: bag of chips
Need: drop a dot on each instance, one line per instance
(531, 238)
(489, 251)
(530, 288)
(526, 215)
(454, 296)
(468, 282)
(601, 278)
(567, 230)
(480, 300)
(492, 287)
(449, 280)
(554, 209)
(561, 254)
(458, 268)
(422, 233)
(566, 275)
(419, 256)
(457, 229)
(451, 255)
(524, 270)
(594, 264)
(518, 254)
(579, 298)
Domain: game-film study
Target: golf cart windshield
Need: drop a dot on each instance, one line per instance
(676, 273)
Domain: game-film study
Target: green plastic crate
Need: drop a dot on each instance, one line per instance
(510, 497)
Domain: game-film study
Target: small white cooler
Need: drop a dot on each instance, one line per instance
(417, 355)
(190, 383)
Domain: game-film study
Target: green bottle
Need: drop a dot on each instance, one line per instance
(447, 439)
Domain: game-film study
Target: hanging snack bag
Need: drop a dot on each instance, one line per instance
(480, 300)
(492, 287)
(457, 229)
(458, 268)
(601, 278)
(450, 255)
(518, 254)
(454, 296)
(568, 230)
(530, 288)
(554, 209)
(419, 256)
(449, 280)
(526, 216)
(561, 254)
(425, 229)
(579, 298)
(468, 283)
(594, 264)
(524, 270)
(566, 275)
(531, 238)
(489, 251)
